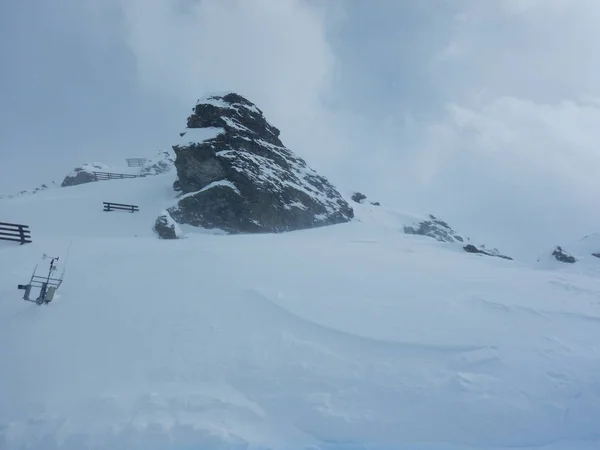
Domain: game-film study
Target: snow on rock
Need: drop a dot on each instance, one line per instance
(84, 174)
(441, 231)
(581, 254)
(163, 163)
(435, 228)
(562, 256)
(261, 186)
(416, 224)
(166, 227)
(192, 136)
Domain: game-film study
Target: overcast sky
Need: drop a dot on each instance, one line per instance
(484, 112)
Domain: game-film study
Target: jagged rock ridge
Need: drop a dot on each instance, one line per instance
(235, 174)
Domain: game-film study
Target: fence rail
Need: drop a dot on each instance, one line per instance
(100, 176)
(136, 162)
(111, 206)
(15, 232)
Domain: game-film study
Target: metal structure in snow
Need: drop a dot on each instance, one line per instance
(47, 285)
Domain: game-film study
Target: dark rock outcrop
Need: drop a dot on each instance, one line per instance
(358, 197)
(166, 227)
(83, 174)
(470, 248)
(563, 256)
(234, 174)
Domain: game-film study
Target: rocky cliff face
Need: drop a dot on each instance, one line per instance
(235, 174)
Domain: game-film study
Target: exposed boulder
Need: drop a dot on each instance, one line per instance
(166, 227)
(563, 256)
(83, 174)
(234, 174)
(358, 197)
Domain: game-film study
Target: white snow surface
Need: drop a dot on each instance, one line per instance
(353, 336)
(194, 136)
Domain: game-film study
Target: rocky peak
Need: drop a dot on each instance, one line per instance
(235, 174)
(236, 115)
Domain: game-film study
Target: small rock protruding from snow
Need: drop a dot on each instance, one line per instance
(563, 256)
(359, 197)
(83, 174)
(166, 227)
(470, 248)
(234, 174)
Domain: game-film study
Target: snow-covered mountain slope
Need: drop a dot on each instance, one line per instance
(353, 336)
(581, 256)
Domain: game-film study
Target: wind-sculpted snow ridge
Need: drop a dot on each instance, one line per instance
(235, 175)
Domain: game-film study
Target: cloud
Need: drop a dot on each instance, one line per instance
(511, 155)
(484, 112)
(538, 49)
(276, 53)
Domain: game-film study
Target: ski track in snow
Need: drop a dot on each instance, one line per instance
(354, 336)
